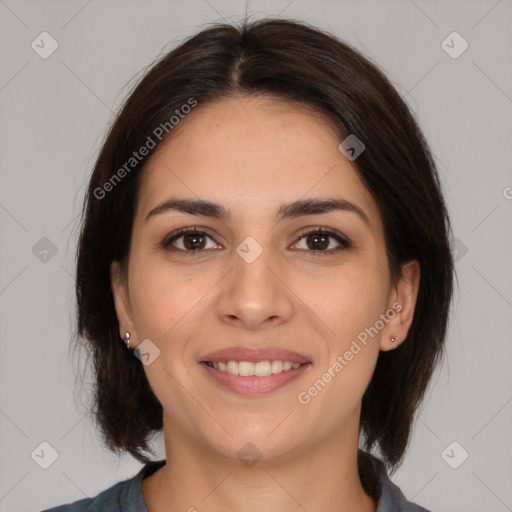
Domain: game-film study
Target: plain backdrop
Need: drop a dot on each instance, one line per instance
(54, 114)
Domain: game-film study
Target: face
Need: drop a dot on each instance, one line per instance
(263, 282)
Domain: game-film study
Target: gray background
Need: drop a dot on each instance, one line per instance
(54, 113)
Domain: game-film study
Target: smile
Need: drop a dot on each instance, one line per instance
(249, 368)
(253, 378)
(254, 370)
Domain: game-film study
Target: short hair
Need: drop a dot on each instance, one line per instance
(294, 62)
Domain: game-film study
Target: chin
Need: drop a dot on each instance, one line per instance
(253, 441)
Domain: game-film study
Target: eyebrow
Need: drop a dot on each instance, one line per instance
(291, 210)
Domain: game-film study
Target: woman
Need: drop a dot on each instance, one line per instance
(265, 230)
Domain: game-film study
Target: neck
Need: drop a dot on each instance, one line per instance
(323, 478)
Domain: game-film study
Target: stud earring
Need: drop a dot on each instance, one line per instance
(393, 339)
(126, 340)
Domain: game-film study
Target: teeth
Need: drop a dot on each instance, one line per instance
(277, 366)
(245, 369)
(232, 367)
(260, 368)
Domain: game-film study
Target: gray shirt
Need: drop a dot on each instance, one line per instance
(126, 496)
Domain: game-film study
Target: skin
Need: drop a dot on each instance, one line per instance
(252, 154)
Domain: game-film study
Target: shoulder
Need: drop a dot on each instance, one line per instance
(109, 500)
(377, 483)
(121, 497)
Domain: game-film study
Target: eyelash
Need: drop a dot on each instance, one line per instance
(344, 242)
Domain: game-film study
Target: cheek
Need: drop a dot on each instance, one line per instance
(348, 300)
(350, 308)
(161, 298)
(354, 303)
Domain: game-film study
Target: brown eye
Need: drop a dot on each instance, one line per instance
(317, 240)
(320, 240)
(194, 242)
(187, 240)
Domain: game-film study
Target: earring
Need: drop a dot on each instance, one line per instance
(393, 339)
(126, 340)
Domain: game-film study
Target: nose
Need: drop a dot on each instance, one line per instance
(254, 294)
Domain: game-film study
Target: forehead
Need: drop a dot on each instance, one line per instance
(252, 154)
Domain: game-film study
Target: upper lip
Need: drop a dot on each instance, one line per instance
(254, 354)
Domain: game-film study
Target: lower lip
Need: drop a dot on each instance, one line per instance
(254, 385)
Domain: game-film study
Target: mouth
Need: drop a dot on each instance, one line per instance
(254, 371)
(249, 368)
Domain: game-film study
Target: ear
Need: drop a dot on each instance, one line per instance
(402, 300)
(119, 286)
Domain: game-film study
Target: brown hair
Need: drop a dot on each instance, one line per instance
(294, 62)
